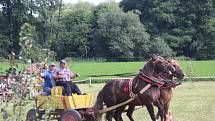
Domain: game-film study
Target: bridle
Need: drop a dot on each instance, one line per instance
(166, 66)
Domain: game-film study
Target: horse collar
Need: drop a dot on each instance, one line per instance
(156, 82)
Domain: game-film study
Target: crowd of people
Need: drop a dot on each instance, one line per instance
(61, 76)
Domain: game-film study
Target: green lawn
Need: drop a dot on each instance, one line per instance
(191, 102)
(129, 69)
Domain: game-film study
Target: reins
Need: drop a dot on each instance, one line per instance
(147, 79)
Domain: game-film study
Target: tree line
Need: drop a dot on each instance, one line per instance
(129, 30)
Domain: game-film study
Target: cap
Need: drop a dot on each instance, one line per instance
(63, 61)
(52, 64)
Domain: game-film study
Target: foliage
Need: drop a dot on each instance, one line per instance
(183, 25)
(83, 30)
(5, 45)
(75, 37)
(159, 46)
(120, 35)
(29, 46)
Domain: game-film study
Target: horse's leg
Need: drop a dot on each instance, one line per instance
(160, 112)
(166, 109)
(157, 115)
(109, 116)
(150, 110)
(109, 103)
(130, 112)
(118, 113)
(160, 106)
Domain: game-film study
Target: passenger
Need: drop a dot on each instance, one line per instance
(49, 83)
(44, 67)
(63, 78)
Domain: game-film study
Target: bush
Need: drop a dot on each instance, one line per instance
(182, 58)
(159, 46)
(83, 59)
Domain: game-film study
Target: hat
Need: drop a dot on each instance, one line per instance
(63, 61)
(52, 64)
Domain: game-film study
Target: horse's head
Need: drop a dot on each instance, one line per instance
(161, 65)
(178, 72)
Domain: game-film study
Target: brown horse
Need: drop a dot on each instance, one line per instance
(165, 93)
(112, 93)
(35, 68)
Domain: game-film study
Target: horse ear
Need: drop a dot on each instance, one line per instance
(153, 57)
(167, 59)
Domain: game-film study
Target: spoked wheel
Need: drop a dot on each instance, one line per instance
(70, 115)
(31, 115)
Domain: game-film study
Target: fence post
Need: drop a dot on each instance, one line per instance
(190, 69)
(90, 81)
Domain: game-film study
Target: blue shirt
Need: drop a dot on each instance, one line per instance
(47, 75)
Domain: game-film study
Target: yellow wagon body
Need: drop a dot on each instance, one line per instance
(58, 101)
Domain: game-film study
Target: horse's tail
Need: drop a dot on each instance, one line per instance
(98, 106)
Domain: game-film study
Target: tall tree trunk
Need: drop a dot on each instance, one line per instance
(58, 20)
(9, 15)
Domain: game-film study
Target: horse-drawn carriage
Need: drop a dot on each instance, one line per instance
(63, 108)
(143, 89)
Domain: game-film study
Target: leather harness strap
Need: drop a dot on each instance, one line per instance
(150, 81)
(130, 84)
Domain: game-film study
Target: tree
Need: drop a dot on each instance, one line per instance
(180, 23)
(120, 35)
(204, 48)
(159, 46)
(5, 45)
(76, 33)
(30, 49)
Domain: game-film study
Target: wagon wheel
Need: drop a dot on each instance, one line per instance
(31, 115)
(70, 115)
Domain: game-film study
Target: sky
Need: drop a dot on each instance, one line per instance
(95, 2)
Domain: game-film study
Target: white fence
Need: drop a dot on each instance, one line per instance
(91, 79)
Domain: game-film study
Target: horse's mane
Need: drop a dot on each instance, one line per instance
(148, 68)
(174, 62)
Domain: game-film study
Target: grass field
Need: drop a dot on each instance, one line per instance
(191, 102)
(128, 69)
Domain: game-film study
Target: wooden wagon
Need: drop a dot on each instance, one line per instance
(63, 108)
(70, 108)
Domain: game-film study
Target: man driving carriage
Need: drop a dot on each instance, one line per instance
(63, 78)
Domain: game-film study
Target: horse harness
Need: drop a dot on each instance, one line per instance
(162, 84)
(129, 87)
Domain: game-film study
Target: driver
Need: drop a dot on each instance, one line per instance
(63, 78)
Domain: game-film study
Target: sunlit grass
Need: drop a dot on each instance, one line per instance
(127, 69)
(191, 102)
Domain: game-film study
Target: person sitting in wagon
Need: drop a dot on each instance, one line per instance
(63, 78)
(49, 82)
